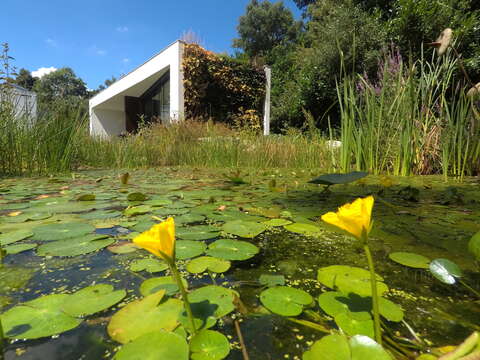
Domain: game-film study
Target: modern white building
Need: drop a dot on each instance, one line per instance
(24, 101)
(152, 91)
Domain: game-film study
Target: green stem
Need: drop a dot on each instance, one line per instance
(178, 279)
(469, 287)
(373, 283)
(2, 341)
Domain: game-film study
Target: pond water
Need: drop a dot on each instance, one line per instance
(60, 239)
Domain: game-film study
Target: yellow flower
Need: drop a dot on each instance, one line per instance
(159, 240)
(354, 218)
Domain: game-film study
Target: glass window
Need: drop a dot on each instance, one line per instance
(156, 100)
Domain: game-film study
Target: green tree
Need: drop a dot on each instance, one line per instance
(264, 26)
(60, 84)
(25, 79)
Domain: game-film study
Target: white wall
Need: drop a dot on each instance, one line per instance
(135, 84)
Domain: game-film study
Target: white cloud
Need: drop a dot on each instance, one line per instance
(101, 52)
(125, 60)
(51, 42)
(122, 29)
(43, 71)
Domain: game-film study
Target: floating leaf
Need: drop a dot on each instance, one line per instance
(18, 248)
(186, 249)
(200, 232)
(232, 249)
(85, 197)
(299, 228)
(474, 245)
(189, 218)
(209, 345)
(166, 283)
(222, 298)
(144, 316)
(204, 263)
(125, 247)
(13, 236)
(61, 231)
(332, 179)
(137, 196)
(357, 323)
(277, 222)
(348, 279)
(364, 347)
(137, 210)
(92, 299)
(74, 247)
(410, 259)
(271, 280)
(285, 300)
(149, 265)
(245, 229)
(155, 345)
(445, 270)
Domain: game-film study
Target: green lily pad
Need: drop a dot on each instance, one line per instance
(125, 247)
(410, 259)
(166, 283)
(155, 346)
(186, 249)
(18, 248)
(137, 196)
(149, 265)
(232, 249)
(339, 347)
(357, 323)
(245, 229)
(220, 297)
(158, 202)
(204, 263)
(85, 197)
(137, 210)
(36, 320)
(271, 280)
(61, 231)
(92, 299)
(144, 316)
(189, 218)
(14, 236)
(74, 247)
(284, 300)
(445, 270)
(474, 245)
(332, 179)
(348, 279)
(277, 222)
(101, 214)
(209, 345)
(200, 232)
(305, 229)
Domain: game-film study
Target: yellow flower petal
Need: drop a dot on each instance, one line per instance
(159, 240)
(355, 217)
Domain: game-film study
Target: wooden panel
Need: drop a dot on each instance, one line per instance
(133, 110)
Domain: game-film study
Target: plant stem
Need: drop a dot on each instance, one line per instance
(2, 342)
(178, 279)
(469, 287)
(373, 283)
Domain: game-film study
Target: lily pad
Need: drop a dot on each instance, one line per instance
(18, 248)
(154, 346)
(137, 210)
(166, 283)
(125, 247)
(232, 249)
(74, 247)
(445, 270)
(200, 232)
(220, 297)
(144, 316)
(149, 265)
(137, 196)
(474, 245)
(189, 218)
(186, 249)
(92, 299)
(14, 236)
(284, 300)
(356, 323)
(277, 222)
(204, 263)
(245, 229)
(332, 179)
(299, 228)
(61, 231)
(410, 259)
(85, 197)
(209, 345)
(348, 279)
(271, 280)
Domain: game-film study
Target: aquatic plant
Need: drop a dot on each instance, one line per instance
(160, 241)
(356, 219)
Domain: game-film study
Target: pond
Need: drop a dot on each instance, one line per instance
(240, 237)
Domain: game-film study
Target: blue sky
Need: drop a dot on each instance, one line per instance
(101, 38)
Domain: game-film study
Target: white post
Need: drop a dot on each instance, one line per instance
(266, 113)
